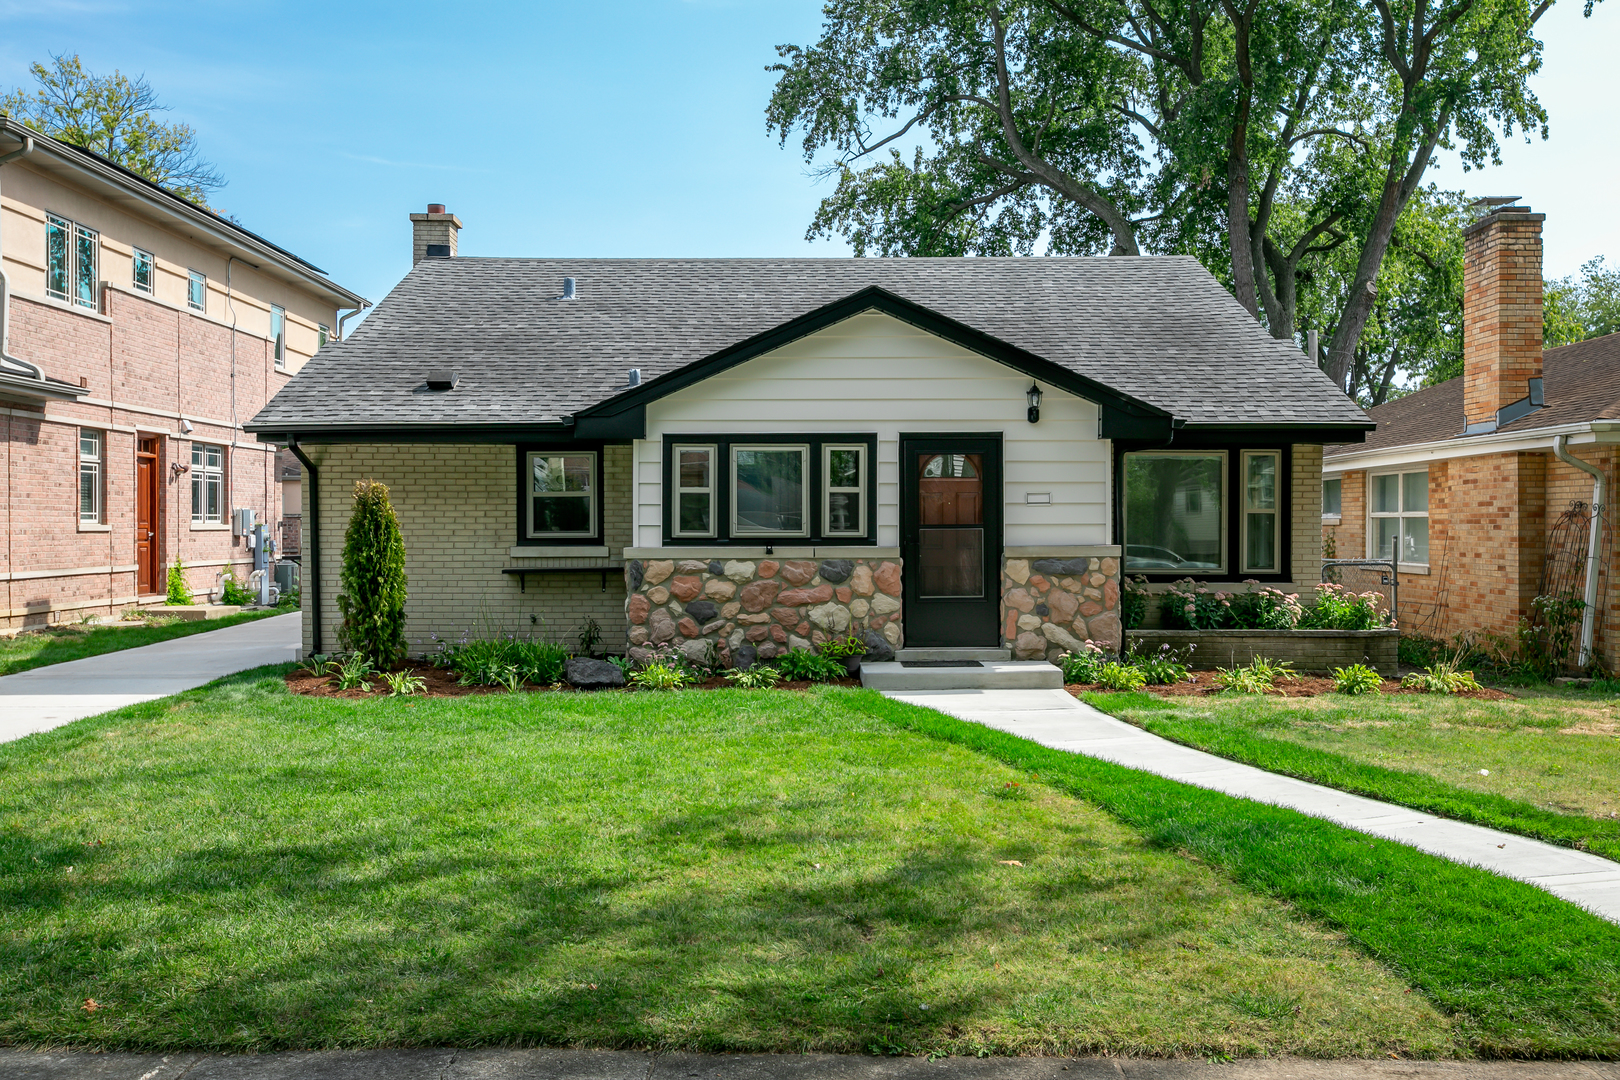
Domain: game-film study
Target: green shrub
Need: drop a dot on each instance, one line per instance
(1113, 675)
(806, 665)
(590, 636)
(1419, 651)
(758, 677)
(1337, 608)
(232, 593)
(1133, 602)
(179, 592)
(1163, 665)
(372, 600)
(1081, 667)
(1441, 678)
(540, 662)
(1356, 679)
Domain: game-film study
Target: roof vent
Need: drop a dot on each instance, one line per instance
(635, 377)
(437, 251)
(568, 288)
(444, 379)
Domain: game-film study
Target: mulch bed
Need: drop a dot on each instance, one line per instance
(443, 683)
(1203, 684)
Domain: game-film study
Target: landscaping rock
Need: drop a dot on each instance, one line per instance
(836, 571)
(585, 674)
(878, 651)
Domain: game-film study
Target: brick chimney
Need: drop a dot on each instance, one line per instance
(1501, 315)
(433, 234)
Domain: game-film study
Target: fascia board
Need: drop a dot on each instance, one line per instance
(1474, 446)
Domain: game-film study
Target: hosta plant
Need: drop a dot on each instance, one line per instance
(354, 672)
(1114, 675)
(1356, 679)
(758, 677)
(403, 683)
(662, 673)
(806, 665)
(1441, 678)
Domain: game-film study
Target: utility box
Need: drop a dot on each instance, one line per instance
(243, 518)
(286, 576)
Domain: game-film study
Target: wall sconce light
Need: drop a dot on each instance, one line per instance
(1034, 395)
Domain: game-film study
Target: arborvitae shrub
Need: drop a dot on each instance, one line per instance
(372, 599)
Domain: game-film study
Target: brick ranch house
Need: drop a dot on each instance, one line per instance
(1475, 481)
(740, 457)
(138, 330)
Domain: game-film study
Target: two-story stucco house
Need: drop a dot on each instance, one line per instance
(139, 332)
(743, 456)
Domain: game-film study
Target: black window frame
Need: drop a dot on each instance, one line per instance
(595, 539)
(723, 443)
(1235, 451)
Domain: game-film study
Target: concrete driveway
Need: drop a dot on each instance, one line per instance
(58, 694)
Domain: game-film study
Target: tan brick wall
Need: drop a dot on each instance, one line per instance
(457, 508)
(1501, 311)
(1306, 499)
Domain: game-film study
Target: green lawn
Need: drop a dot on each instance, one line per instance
(240, 868)
(71, 642)
(1550, 760)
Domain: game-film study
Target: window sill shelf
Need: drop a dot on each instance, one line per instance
(1332, 519)
(559, 551)
(197, 526)
(86, 527)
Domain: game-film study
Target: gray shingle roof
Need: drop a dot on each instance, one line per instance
(1160, 329)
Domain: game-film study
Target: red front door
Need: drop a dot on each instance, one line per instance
(147, 548)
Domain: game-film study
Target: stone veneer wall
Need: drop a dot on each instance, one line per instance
(1050, 606)
(739, 610)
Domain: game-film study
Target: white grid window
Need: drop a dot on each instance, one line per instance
(562, 494)
(207, 484)
(90, 476)
(694, 490)
(196, 290)
(770, 493)
(844, 505)
(71, 253)
(278, 334)
(1260, 516)
(1398, 517)
(142, 271)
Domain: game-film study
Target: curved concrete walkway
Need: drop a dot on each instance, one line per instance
(48, 697)
(1055, 718)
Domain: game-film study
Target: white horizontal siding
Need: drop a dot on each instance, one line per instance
(874, 373)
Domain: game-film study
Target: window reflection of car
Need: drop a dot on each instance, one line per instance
(1152, 557)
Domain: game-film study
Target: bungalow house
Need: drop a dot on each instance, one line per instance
(137, 331)
(744, 456)
(1482, 487)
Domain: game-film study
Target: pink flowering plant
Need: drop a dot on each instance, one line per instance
(1191, 605)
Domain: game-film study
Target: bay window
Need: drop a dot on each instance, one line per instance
(1398, 517)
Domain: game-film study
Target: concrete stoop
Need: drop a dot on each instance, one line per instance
(982, 669)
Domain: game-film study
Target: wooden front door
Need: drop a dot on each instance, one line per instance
(950, 524)
(148, 549)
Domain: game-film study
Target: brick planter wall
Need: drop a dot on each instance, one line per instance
(739, 610)
(1307, 650)
(1050, 606)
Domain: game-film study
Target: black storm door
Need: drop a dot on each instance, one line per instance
(950, 535)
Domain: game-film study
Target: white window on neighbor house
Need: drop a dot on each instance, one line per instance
(196, 290)
(1175, 522)
(142, 271)
(1332, 496)
(207, 484)
(323, 334)
(1261, 520)
(770, 494)
(91, 444)
(1398, 517)
(562, 494)
(843, 508)
(694, 510)
(71, 267)
(278, 334)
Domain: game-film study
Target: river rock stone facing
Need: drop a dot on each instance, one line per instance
(1050, 606)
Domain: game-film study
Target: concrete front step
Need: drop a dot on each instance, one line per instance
(992, 675)
(986, 655)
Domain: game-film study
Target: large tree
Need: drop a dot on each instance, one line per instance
(1583, 306)
(113, 115)
(1280, 140)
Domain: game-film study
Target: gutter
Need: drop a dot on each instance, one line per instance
(1593, 546)
(9, 364)
(314, 585)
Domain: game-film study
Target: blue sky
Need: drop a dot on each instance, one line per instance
(600, 129)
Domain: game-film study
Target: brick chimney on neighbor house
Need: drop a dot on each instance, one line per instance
(433, 234)
(1501, 315)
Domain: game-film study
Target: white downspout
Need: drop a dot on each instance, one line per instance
(7, 361)
(1593, 545)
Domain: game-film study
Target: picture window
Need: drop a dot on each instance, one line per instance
(1174, 512)
(770, 489)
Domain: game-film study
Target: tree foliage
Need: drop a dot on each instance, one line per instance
(373, 598)
(113, 115)
(1284, 142)
(1582, 306)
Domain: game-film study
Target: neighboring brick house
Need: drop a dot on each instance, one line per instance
(1465, 478)
(743, 456)
(139, 331)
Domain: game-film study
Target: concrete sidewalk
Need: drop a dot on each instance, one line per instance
(48, 697)
(1054, 718)
(632, 1065)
